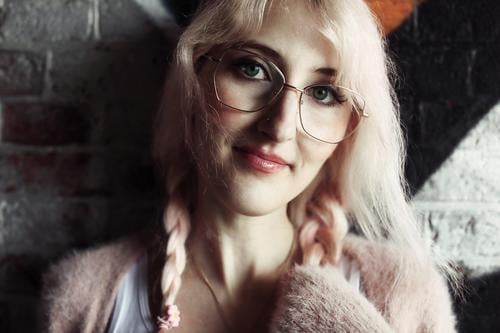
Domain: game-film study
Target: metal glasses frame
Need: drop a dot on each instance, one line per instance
(358, 109)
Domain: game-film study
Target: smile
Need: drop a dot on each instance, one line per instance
(262, 162)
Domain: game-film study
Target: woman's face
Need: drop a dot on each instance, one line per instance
(264, 159)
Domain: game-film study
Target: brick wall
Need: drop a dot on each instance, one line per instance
(79, 80)
(448, 53)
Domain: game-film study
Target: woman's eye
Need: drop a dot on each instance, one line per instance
(321, 93)
(324, 95)
(252, 70)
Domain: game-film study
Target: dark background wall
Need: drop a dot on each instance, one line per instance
(448, 53)
(80, 80)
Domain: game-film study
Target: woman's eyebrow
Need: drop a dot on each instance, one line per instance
(327, 71)
(267, 51)
(270, 53)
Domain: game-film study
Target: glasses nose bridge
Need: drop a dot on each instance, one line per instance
(294, 89)
(290, 87)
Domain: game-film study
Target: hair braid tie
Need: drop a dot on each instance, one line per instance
(177, 225)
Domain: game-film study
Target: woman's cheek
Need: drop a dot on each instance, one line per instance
(316, 153)
(233, 120)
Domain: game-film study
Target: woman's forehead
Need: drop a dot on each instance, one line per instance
(296, 38)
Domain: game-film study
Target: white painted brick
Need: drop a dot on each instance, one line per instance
(485, 136)
(469, 237)
(45, 21)
(472, 172)
(465, 176)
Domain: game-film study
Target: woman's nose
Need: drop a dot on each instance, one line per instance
(279, 120)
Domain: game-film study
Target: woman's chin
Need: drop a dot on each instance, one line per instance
(253, 202)
(255, 210)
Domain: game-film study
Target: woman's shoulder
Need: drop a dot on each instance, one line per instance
(98, 260)
(385, 261)
(78, 289)
(401, 286)
(392, 298)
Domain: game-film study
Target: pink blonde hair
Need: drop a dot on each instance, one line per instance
(364, 177)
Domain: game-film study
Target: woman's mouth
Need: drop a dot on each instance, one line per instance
(261, 161)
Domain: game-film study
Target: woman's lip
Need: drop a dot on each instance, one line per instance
(265, 156)
(262, 162)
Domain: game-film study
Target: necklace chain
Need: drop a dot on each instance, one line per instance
(205, 280)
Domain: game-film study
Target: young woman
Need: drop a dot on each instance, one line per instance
(278, 133)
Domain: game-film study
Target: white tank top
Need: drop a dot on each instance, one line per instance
(131, 310)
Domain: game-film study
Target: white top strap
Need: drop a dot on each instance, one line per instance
(131, 310)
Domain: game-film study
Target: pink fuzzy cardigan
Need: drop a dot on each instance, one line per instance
(79, 293)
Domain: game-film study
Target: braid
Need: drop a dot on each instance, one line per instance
(320, 237)
(177, 225)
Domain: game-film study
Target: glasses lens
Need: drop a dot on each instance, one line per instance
(245, 81)
(330, 113)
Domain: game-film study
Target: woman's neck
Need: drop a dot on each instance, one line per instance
(238, 253)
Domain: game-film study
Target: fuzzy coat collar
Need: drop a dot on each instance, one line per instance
(79, 293)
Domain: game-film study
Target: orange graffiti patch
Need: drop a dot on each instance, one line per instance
(392, 13)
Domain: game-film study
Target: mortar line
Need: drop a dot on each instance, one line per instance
(47, 79)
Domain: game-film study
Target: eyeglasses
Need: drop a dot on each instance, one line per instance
(245, 81)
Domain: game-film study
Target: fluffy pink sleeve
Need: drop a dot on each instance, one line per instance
(319, 299)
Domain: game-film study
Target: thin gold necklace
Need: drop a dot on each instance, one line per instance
(204, 278)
